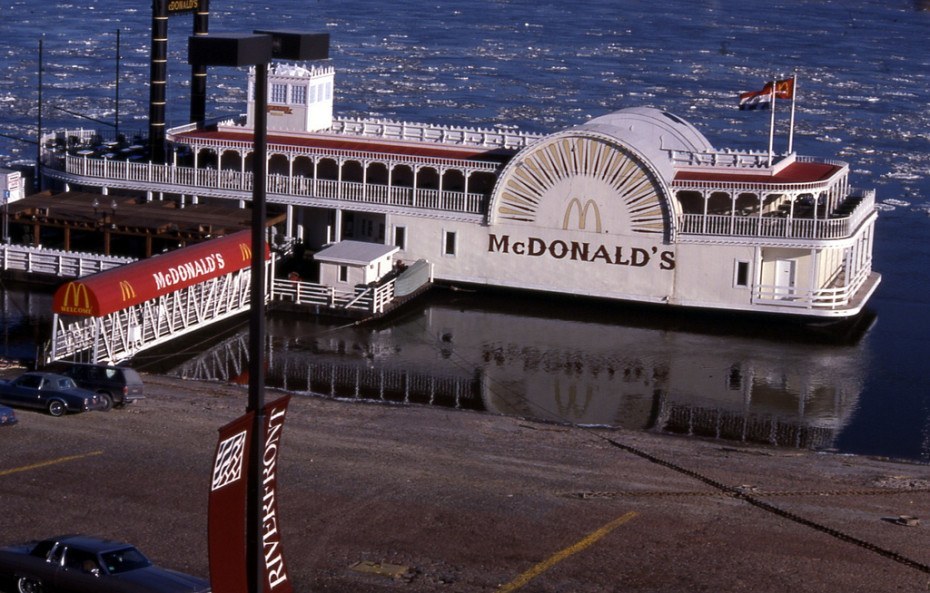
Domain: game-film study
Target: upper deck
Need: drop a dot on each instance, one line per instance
(385, 166)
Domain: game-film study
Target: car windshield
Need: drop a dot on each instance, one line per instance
(124, 560)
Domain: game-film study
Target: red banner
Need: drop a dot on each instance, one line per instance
(276, 579)
(227, 513)
(227, 507)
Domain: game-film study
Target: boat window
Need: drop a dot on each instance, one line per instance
(449, 246)
(400, 237)
(278, 93)
(742, 273)
(343, 273)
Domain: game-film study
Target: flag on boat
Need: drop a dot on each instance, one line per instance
(784, 89)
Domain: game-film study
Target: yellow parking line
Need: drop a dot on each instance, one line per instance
(24, 468)
(540, 568)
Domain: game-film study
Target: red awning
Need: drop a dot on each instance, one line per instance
(147, 279)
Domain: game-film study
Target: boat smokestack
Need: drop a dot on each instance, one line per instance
(199, 71)
(158, 79)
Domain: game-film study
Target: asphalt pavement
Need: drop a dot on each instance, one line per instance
(378, 497)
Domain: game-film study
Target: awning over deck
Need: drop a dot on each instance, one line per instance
(148, 279)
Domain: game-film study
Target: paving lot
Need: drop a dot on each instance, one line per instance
(389, 498)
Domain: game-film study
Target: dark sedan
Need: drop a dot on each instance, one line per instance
(47, 391)
(84, 564)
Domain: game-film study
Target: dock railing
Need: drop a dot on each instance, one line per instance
(364, 299)
(53, 262)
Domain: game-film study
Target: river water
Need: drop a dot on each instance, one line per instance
(542, 65)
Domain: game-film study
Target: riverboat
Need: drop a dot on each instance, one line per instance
(634, 205)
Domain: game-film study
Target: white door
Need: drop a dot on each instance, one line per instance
(784, 278)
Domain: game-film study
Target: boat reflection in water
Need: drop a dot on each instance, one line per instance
(575, 362)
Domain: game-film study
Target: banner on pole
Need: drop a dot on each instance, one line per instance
(276, 578)
(227, 507)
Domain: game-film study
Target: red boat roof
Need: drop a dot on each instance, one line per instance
(423, 149)
(793, 173)
(118, 288)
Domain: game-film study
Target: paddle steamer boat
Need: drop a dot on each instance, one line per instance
(634, 205)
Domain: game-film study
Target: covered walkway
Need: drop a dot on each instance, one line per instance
(110, 316)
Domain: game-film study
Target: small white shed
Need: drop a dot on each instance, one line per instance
(348, 263)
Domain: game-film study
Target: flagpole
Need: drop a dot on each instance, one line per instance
(772, 120)
(794, 94)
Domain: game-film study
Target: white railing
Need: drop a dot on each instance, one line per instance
(367, 299)
(479, 137)
(63, 264)
(111, 172)
(831, 297)
(753, 225)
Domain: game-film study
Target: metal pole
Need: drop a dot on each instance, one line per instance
(794, 93)
(254, 558)
(116, 97)
(772, 121)
(36, 183)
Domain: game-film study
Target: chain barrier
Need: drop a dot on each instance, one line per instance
(756, 501)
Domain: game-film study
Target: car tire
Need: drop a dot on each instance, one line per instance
(28, 585)
(106, 401)
(56, 408)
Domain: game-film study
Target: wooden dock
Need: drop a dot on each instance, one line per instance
(120, 225)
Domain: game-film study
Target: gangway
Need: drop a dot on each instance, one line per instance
(111, 316)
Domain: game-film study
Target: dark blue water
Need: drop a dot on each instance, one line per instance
(864, 76)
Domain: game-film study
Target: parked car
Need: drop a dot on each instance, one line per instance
(48, 391)
(115, 386)
(80, 563)
(7, 416)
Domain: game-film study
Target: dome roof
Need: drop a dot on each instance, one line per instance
(651, 133)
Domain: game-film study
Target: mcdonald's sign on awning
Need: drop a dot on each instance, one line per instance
(144, 280)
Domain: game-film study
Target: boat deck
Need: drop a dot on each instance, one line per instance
(798, 172)
(400, 148)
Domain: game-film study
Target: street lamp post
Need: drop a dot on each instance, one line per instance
(256, 50)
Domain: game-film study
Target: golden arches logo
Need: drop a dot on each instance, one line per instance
(76, 299)
(126, 290)
(575, 206)
(246, 251)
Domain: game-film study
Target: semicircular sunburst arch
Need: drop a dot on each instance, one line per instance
(548, 171)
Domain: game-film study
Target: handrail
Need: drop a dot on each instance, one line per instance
(754, 225)
(64, 264)
(226, 181)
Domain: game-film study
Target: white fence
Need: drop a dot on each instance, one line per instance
(53, 262)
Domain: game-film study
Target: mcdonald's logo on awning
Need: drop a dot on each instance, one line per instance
(126, 290)
(76, 299)
(246, 251)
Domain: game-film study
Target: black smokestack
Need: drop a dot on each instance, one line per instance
(158, 80)
(199, 72)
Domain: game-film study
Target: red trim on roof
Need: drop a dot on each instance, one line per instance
(361, 144)
(119, 288)
(793, 173)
